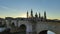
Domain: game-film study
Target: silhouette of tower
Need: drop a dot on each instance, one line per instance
(31, 13)
(27, 14)
(36, 15)
(45, 15)
(39, 15)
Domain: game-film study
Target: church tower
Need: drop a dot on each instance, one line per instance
(31, 13)
(39, 15)
(45, 15)
(36, 15)
(27, 14)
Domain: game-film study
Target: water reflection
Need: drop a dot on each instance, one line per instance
(2, 29)
(50, 32)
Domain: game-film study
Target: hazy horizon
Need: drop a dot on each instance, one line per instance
(18, 8)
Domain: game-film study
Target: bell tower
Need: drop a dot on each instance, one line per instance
(36, 15)
(31, 13)
(39, 15)
(27, 14)
(44, 15)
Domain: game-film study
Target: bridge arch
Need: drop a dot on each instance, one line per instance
(28, 27)
(43, 32)
(13, 23)
(46, 32)
(22, 29)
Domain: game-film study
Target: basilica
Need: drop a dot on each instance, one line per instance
(32, 24)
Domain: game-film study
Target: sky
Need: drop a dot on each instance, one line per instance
(18, 8)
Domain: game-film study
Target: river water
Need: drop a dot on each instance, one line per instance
(48, 32)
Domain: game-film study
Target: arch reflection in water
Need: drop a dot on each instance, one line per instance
(46, 32)
(50, 32)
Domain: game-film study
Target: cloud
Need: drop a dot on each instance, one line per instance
(8, 8)
(4, 7)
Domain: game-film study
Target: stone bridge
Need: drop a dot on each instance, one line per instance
(37, 27)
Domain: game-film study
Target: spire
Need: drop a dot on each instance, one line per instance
(36, 15)
(31, 13)
(27, 14)
(45, 15)
(39, 15)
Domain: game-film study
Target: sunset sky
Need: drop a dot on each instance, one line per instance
(18, 8)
